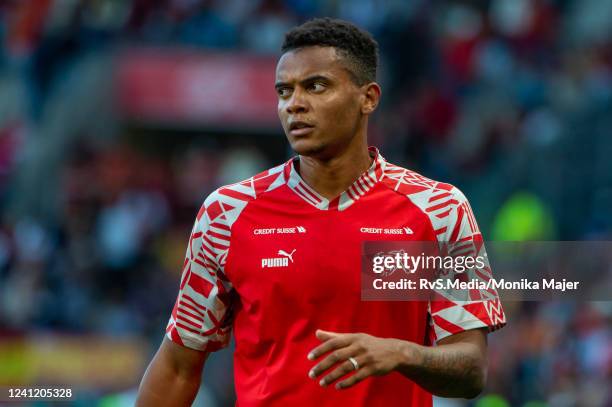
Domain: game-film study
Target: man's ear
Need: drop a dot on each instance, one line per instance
(371, 97)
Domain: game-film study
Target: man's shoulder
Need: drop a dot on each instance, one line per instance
(413, 184)
(444, 204)
(229, 200)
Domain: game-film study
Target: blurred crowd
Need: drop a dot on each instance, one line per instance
(511, 100)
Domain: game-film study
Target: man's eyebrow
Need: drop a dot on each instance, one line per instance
(280, 84)
(315, 78)
(312, 78)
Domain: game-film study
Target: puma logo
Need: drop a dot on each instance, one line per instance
(278, 261)
(288, 255)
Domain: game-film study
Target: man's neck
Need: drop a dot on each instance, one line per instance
(332, 177)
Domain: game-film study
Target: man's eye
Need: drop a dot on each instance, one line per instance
(317, 86)
(282, 92)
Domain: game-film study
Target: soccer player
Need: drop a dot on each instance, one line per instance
(276, 259)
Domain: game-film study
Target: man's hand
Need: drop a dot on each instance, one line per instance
(457, 367)
(374, 356)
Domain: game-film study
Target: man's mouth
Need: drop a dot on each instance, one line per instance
(299, 128)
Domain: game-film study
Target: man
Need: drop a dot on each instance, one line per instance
(277, 258)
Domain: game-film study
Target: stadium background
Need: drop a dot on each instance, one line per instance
(117, 118)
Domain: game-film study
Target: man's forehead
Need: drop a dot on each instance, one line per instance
(308, 61)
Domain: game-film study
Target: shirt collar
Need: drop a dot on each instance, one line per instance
(353, 193)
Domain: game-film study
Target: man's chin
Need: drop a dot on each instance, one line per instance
(307, 148)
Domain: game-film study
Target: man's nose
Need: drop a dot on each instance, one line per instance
(297, 103)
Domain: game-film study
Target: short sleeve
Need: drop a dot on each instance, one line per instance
(201, 317)
(452, 312)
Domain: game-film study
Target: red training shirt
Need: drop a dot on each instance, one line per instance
(272, 260)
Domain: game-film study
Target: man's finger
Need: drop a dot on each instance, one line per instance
(328, 346)
(342, 370)
(354, 379)
(325, 335)
(336, 357)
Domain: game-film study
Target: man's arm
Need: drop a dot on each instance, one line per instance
(455, 368)
(173, 376)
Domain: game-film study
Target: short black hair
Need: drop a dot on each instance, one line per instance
(356, 45)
